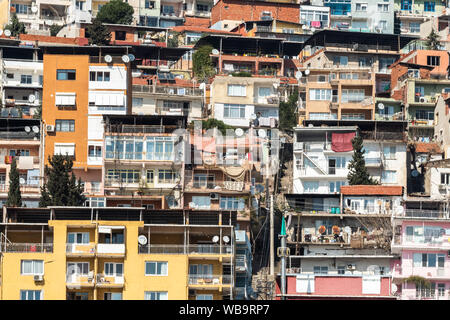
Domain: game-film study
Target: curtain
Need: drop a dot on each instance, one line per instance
(27, 266)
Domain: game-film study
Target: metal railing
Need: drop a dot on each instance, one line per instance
(27, 247)
(135, 129)
(184, 249)
(88, 248)
(177, 91)
(422, 213)
(210, 279)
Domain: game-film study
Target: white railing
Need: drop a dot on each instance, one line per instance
(209, 279)
(80, 248)
(114, 248)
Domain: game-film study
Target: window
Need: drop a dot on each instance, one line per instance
(204, 297)
(149, 4)
(320, 94)
(310, 186)
(156, 295)
(428, 6)
(203, 181)
(264, 92)
(129, 148)
(80, 5)
(389, 176)
(383, 7)
(406, 5)
(389, 152)
(65, 99)
(63, 74)
(445, 178)
(424, 115)
(120, 35)
(340, 60)
(138, 102)
(32, 267)
(112, 296)
(414, 27)
(428, 260)
(236, 90)
(167, 176)
(65, 125)
(113, 269)
(100, 76)
(30, 295)
(19, 152)
(202, 7)
(441, 289)
(202, 202)
(320, 270)
(21, 8)
(232, 203)
(124, 175)
(159, 148)
(200, 271)
(234, 111)
(352, 95)
(167, 9)
(95, 151)
(78, 268)
(95, 202)
(341, 269)
(78, 237)
(335, 186)
(365, 61)
(10, 75)
(382, 24)
(156, 268)
(25, 79)
(433, 60)
(361, 7)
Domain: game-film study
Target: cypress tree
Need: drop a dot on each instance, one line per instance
(61, 189)
(14, 195)
(16, 27)
(432, 41)
(358, 174)
(98, 34)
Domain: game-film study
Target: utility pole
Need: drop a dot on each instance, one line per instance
(272, 245)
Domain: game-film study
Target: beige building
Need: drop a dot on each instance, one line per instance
(442, 127)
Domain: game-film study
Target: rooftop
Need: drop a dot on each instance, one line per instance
(372, 190)
(424, 147)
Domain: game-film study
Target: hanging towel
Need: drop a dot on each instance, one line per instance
(342, 142)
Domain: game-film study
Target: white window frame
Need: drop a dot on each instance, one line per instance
(41, 294)
(75, 237)
(228, 108)
(33, 268)
(157, 294)
(76, 263)
(114, 268)
(203, 296)
(237, 90)
(156, 268)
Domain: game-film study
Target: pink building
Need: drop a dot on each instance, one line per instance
(422, 241)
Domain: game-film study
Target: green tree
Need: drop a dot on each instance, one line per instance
(16, 27)
(117, 12)
(61, 187)
(202, 63)
(288, 118)
(38, 112)
(214, 123)
(432, 41)
(54, 29)
(358, 174)
(98, 34)
(14, 195)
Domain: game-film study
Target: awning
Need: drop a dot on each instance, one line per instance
(342, 142)
(107, 98)
(65, 98)
(108, 229)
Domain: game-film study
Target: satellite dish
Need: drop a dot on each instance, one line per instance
(313, 29)
(347, 229)
(239, 132)
(50, 22)
(22, 181)
(7, 33)
(226, 239)
(202, 86)
(132, 57)
(394, 288)
(298, 75)
(215, 51)
(215, 239)
(108, 58)
(125, 58)
(304, 27)
(31, 98)
(415, 173)
(275, 85)
(399, 210)
(34, 9)
(307, 71)
(27, 129)
(380, 106)
(1, 32)
(253, 116)
(310, 125)
(35, 129)
(262, 133)
(142, 240)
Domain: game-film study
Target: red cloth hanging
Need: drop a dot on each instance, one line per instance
(342, 142)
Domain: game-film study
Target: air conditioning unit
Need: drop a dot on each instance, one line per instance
(50, 128)
(38, 278)
(214, 196)
(351, 267)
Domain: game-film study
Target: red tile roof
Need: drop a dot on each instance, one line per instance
(372, 190)
(201, 29)
(201, 22)
(427, 147)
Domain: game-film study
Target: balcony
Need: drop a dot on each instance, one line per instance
(423, 214)
(401, 242)
(75, 281)
(267, 100)
(209, 281)
(421, 123)
(373, 162)
(372, 135)
(139, 156)
(111, 249)
(105, 281)
(27, 247)
(75, 249)
(184, 249)
(167, 91)
(398, 116)
(241, 263)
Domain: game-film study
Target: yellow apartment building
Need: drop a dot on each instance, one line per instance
(84, 253)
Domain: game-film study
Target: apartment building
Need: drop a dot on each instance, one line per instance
(21, 73)
(343, 253)
(441, 128)
(78, 253)
(346, 74)
(411, 13)
(20, 139)
(421, 241)
(142, 164)
(418, 79)
(437, 179)
(243, 279)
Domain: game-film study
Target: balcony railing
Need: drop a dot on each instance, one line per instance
(177, 91)
(183, 249)
(421, 213)
(111, 248)
(210, 280)
(79, 248)
(371, 135)
(27, 247)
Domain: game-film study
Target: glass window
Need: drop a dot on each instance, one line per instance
(167, 176)
(320, 94)
(428, 6)
(389, 176)
(389, 152)
(202, 201)
(32, 267)
(30, 295)
(433, 60)
(63, 74)
(320, 270)
(311, 186)
(232, 203)
(25, 79)
(78, 237)
(156, 268)
(156, 295)
(65, 125)
(112, 296)
(236, 90)
(234, 111)
(113, 269)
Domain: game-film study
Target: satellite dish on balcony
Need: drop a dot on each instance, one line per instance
(125, 58)
(313, 30)
(310, 125)
(7, 33)
(202, 86)
(108, 58)
(34, 9)
(27, 129)
(262, 133)
(253, 116)
(380, 106)
(22, 181)
(347, 229)
(31, 98)
(415, 173)
(142, 240)
(307, 71)
(226, 239)
(215, 51)
(298, 75)
(215, 239)
(132, 57)
(35, 129)
(399, 210)
(239, 132)
(1, 32)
